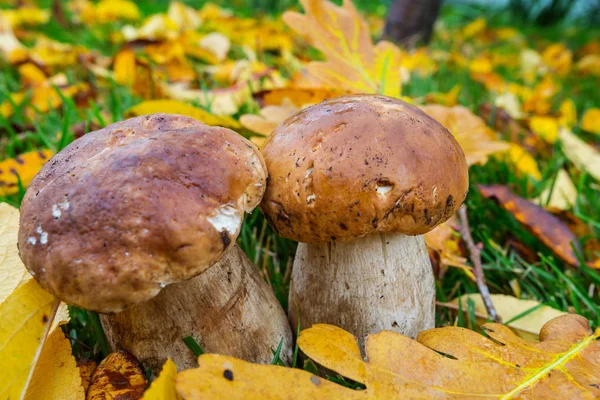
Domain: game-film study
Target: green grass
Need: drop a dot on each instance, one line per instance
(548, 280)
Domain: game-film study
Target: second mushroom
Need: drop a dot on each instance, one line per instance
(357, 181)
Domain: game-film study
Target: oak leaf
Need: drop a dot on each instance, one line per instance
(353, 63)
(118, 376)
(477, 140)
(443, 363)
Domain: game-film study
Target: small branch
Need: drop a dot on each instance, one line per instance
(475, 257)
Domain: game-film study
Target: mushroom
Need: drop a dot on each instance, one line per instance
(358, 180)
(141, 219)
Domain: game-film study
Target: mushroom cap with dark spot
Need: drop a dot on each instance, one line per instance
(125, 210)
(361, 164)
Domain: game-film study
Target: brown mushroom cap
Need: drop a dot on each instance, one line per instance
(127, 209)
(360, 164)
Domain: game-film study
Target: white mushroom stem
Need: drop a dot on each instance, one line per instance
(379, 282)
(229, 309)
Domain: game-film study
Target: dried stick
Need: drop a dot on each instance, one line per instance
(475, 257)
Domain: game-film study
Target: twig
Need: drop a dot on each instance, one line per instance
(475, 257)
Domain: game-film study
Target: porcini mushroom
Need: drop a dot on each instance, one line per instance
(141, 219)
(358, 180)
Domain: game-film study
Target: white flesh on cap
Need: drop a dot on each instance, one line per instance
(228, 309)
(379, 282)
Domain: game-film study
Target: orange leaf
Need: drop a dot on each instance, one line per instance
(543, 225)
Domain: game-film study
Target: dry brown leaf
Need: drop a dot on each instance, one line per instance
(443, 363)
(353, 62)
(119, 376)
(477, 140)
(543, 225)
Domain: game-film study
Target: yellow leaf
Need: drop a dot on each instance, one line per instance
(23, 167)
(449, 99)
(559, 58)
(25, 318)
(474, 28)
(477, 140)
(584, 156)
(12, 271)
(178, 107)
(118, 376)
(56, 375)
(545, 127)
(269, 118)
(216, 43)
(124, 67)
(523, 161)
(353, 62)
(590, 64)
(300, 96)
(564, 193)
(480, 65)
(568, 113)
(155, 27)
(163, 388)
(185, 17)
(32, 75)
(590, 121)
(443, 363)
(511, 104)
(106, 11)
(509, 308)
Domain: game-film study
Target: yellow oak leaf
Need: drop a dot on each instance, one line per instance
(12, 271)
(442, 363)
(477, 140)
(178, 107)
(353, 63)
(23, 167)
(163, 388)
(25, 319)
(584, 156)
(590, 121)
(56, 375)
(525, 317)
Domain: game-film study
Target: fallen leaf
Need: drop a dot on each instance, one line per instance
(163, 388)
(353, 62)
(178, 107)
(448, 99)
(509, 308)
(589, 64)
(184, 16)
(477, 140)
(558, 58)
(86, 369)
(12, 271)
(545, 127)
(562, 194)
(25, 319)
(568, 113)
(443, 363)
(591, 121)
(124, 67)
(56, 375)
(511, 104)
(269, 117)
(21, 168)
(119, 376)
(216, 43)
(523, 161)
(298, 96)
(106, 11)
(444, 240)
(543, 225)
(584, 156)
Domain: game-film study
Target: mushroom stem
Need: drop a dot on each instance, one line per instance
(228, 309)
(378, 282)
